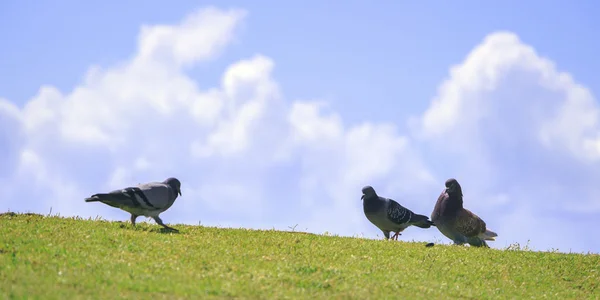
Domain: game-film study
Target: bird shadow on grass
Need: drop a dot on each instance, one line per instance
(148, 228)
(164, 230)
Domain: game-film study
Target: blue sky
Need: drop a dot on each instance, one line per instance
(380, 64)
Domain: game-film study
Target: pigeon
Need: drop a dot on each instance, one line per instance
(388, 215)
(457, 223)
(149, 199)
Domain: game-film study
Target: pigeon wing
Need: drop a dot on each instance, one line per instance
(156, 195)
(124, 198)
(398, 213)
(440, 206)
(469, 224)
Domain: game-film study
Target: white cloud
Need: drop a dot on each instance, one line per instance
(201, 35)
(519, 135)
(249, 94)
(561, 114)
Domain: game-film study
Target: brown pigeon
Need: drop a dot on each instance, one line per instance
(456, 222)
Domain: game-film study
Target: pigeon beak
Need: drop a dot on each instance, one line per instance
(179, 192)
(362, 197)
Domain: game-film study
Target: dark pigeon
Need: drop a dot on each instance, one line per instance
(458, 223)
(149, 199)
(388, 215)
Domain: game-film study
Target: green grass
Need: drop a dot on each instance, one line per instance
(68, 258)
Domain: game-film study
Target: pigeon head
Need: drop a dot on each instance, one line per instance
(174, 184)
(368, 192)
(452, 187)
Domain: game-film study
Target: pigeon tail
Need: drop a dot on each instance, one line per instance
(488, 235)
(421, 221)
(104, 198)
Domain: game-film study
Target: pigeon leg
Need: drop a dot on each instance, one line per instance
(160, 222)
(133, 218)
(395, 237)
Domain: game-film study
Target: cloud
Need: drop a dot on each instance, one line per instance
(504, 73)
(199, 36)
(519, 135)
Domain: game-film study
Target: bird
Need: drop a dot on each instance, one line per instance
(388, 215)
(148, 199)
(456, 222)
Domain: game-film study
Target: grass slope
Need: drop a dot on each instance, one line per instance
(67, 258)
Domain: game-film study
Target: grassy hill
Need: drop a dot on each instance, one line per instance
(68, 258)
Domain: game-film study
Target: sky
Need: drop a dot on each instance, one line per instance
(275, 115)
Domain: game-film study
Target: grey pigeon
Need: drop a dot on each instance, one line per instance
(456, 222)
(388, 215)
(149, 199)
